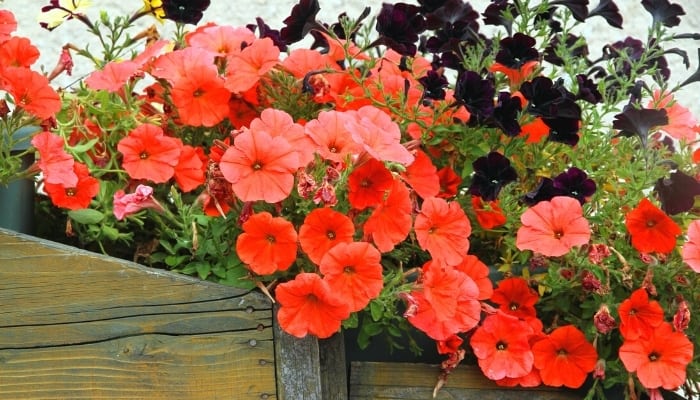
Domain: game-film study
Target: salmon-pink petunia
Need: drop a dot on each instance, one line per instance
(189, 171)
(128, 204)
(691, 248)
(390, 223)
(651, 229)
(55, 163)
(353, 272)
(660, 360)
(149, 154)
(279, 123)
(221, 40)
(553, 227)
(268, 244)
(681, 125)
(501, 345)
(30, 91)
(8, 24)
(200, 98)
(443, 230)
(244, 69)
(322, 229)
(479, 272)
(309, 306)
(564, 357)
(333, 140)
(378, 135)
(260, 167)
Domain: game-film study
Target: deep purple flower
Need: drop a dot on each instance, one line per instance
(264, 31)
(575, 183)
(580, 51)
(428, 6)
(491, 173)
(516, 51)
(639, 121)
(493, 15)
(550, 100)
(562, 130)
(608, 10)
(300, 21)
(544, 191)
(398, 26)
(505, 114)
(451, 37)
(185, 11)
(578, 8)
(434, 85)
(631, 50)
(587, 90)
(476, 93)
(677, 192)
(664, 12)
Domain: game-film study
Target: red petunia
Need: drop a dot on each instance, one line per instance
(260, 167)
(515, 297)
(31, 91)
(443, 230)
(18, 52)
(74, 197)
(189, 171)
(659, 360)
(488, 213)
(534, 131)
(651, 229)
(309, 306)
(322, 229)
(8, 24)
(268, 244)
(55, 163)
(639, 316)
(200, 98)
(368, 184)
(501, 345)
(390, 223)
(479, 272)
(353, 272)
(553, 227)
(691, 248)
(449, 182)
(446, 302)
(149, 154)
(564, 357)
(422, 176)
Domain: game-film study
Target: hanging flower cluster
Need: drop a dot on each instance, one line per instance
(507, 197)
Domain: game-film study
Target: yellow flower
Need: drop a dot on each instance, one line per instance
(155, 7)
(58, 11)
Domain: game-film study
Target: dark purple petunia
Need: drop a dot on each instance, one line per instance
(398, 26)
(544, 191)
(575, 49)
(491, 173)
(434, 85)
(264, 31)
(631, 50)
(609, 11)
(664, 12)
(516, 51)
(677, 192)
(300, 21)
(639, 121)
(476, 93)
(452, 12)
(428, 6)
(578, 8)
(587, 90)
(575, 183)
(185, 11)
(494, 14)
(505, 114)
(548, 99)
(562, 130)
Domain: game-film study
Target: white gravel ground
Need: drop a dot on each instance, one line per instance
(273, 12)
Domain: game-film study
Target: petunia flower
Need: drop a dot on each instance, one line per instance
(55, 163)
(677, 192)
(322, 229)
(260, 167)
(398, 26)
(244, 69)
(268, 244)
(476, 93)
(449, 182)
(390, 222)
(353, 272)
(189, 171)
(128, 204)
(422, 176)
(368, 184)
(651, 229)
(491, 173)
(479, 272)
(501, 345)
(18, 52)
(489, 214)
(185, 11)
(301, 20)
(575, 183)
(681, 124)
(374, 130)
(691, 248)
(309, 306)
(553, 227)
(74, 197)
(58, 11)
(149, 154)
(564, 357)
(659, 360)
(664, 12)
(30, 91)
(513, 296)
(639, 316)
(639, 122)
(279, 123)
(443, 230)
(8, 24)
(608, 10)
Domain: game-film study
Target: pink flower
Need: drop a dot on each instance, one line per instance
(691, 248)
(128, 204)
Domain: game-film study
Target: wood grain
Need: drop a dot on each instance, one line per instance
(393, 381)
(77, 325)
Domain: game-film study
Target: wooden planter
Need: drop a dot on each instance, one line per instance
(78, 325)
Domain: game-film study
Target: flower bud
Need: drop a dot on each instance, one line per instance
(597, 253)
(590, 282)
(681, 319)
(599, 370)
(603, 321)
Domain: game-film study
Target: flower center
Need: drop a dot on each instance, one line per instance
(257, 166)
(651, 223)
(501, 345)
(348, 269)
(513, 306)
(330, 235)
(270, 239)
(143, 155)
(558, 234)
(198, 93)
(562, 352)
(653, 356)
(70, 192)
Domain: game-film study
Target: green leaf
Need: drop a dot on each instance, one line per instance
(203, 269)
(175, 261)
(110, 232)
(86, 216)
(376, 309)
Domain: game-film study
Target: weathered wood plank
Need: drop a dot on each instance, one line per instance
(393, 381)
(77, 325)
